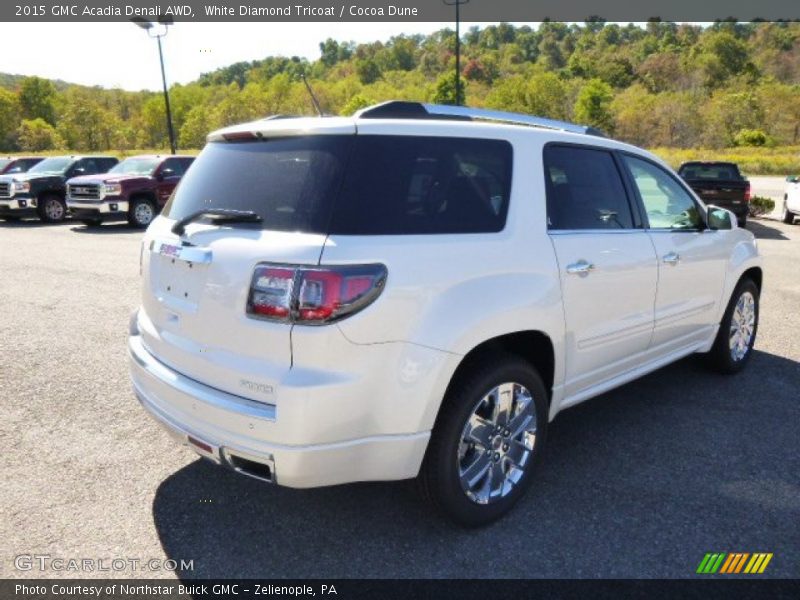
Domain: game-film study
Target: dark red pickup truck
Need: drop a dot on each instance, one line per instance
(135, 190)
(720, 184)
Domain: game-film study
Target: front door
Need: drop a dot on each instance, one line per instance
(608, 269)
(692, 259)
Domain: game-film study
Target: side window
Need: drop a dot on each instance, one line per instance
(175, 165)
(667, 204)
(424, 185)
(186, 162)
(584, 190)
(106, 164)
(90, 166)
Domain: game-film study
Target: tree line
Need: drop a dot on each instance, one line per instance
(661, 84)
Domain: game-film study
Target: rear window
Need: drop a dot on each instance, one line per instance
(722, 171)
(356, 185)
(424, 185)
(289, 182)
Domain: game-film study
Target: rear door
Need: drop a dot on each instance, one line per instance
(608, 268)
(196, 285)
(692, 259)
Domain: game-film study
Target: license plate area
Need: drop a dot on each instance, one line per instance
(179, 283)
(180, 273)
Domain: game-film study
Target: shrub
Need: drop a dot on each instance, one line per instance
(750, 137)
(761, 206)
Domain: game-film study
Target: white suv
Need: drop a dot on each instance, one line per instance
(418, 290)
(791, 199)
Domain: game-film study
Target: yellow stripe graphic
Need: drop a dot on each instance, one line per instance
(749, 567)
(765, 563)
(758, 562)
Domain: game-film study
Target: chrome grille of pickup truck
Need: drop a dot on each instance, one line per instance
(5, 189)
(84, 191)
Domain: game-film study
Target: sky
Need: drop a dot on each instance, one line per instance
(121, 54)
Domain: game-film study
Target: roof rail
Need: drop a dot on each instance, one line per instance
(397, 109)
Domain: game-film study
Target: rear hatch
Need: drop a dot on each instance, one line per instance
(196, 285)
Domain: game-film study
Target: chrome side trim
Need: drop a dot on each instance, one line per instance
(594, 231)
(195, 389)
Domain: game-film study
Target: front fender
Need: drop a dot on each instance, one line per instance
(744, 256)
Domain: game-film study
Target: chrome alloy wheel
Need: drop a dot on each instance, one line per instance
(743, 324)
(496, 443)
(54, 209)
(143, 213)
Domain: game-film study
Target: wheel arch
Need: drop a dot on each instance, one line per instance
(534, 346)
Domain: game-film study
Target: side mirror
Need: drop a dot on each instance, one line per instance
(78, 171)
(793, 178)
(164, 173)
(720, 219)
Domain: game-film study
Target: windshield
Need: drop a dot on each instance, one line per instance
(289, 182)
(136, 166)
(718, 171)
(56, 164)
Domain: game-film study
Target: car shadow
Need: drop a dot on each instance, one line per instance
(624, 475)
(763, 231)
(105, 228)
(31, 223)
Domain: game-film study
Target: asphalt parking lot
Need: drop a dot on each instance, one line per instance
(641, 482)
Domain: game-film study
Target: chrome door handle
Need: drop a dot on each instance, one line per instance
(580, 267)
(671, 258)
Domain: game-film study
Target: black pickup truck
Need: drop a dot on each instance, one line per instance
(720, 184)
(41, 190)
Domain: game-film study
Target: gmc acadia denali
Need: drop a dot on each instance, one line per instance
(418, 290)
(135, 190)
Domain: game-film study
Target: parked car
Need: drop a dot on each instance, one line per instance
(791, 199)
(135, 190)
(40, 192)
(720, 184)
(18, 164)
(418, 290)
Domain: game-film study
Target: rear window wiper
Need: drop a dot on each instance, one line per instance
(225, 215)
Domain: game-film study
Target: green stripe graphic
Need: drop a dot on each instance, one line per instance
(701, 568)
(717, 564)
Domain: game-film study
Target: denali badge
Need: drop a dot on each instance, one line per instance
(261, 388)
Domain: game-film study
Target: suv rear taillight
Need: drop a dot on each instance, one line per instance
(747, 192)
(313, 295)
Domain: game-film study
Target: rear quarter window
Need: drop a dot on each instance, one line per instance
(398, 185)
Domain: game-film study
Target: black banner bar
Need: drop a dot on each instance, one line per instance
(398, 10)
(381, 589)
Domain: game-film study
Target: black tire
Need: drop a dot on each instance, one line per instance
(439, 477)
(51, 208)
(141, 213)
(788, 217)
(742, 221)
(721, 357)
(92, 222)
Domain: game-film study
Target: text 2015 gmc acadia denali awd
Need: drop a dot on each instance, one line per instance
(418, 290)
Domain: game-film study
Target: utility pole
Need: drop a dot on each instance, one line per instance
(457, 4)
(148, 26)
